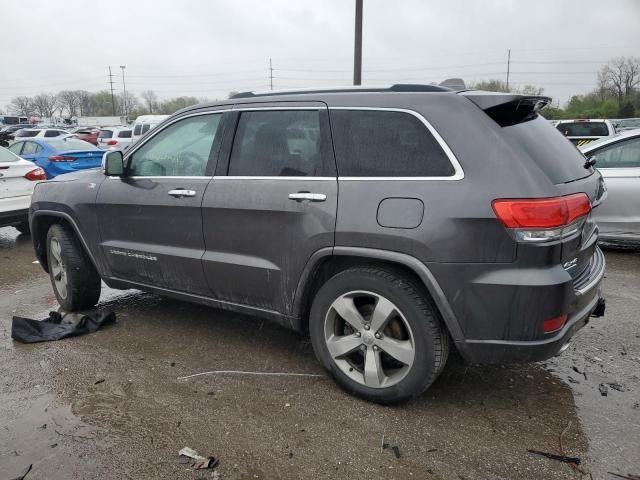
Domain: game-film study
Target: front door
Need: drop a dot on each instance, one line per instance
(150, 219)
(619, 214)
(271, 205)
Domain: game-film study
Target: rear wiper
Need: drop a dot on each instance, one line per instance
(591, 161)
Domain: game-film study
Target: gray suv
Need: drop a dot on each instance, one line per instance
(390, 224)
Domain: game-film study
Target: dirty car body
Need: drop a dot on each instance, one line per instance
(264, 204)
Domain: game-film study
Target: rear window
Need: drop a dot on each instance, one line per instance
(26, 133)
(583, 129)
(7, 156)
(125, 134)
(105, 134)
(386, 144)
(71, 144)
(555, 155)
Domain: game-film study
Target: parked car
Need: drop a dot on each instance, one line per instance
(463, 221)
(628, 124)
(582, 131)
(114, 138)
(18, 177)
(618, 159)
(88, 135)
(38, 133)
(144, 123)
(58, 155)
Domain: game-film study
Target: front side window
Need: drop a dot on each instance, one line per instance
(30, 148)
(137, 130)
(278, 143)
(145, 128)
(181, 149)
(621, 155)
(386, 144)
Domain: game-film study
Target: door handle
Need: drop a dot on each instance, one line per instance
(313, 197)
(181, 192)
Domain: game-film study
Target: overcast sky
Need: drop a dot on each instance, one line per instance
(207, 48)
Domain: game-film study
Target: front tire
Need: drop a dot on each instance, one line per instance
(377, 334)
(75, 281)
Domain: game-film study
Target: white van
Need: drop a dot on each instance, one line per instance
(143, 124)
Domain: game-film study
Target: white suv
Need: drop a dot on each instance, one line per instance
(38, 133)
(114, 138)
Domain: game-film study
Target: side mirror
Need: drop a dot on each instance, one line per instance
(113, 163)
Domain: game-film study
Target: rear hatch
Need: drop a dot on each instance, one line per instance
(563, 164)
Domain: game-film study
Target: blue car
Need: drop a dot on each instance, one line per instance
(58, 155)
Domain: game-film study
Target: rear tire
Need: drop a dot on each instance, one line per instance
(377, 334)
(75, 281)
(23, 228)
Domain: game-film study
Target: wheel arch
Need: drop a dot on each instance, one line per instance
(40, 222)
(325, 263)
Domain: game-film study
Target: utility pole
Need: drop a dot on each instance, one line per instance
(124, 87)
(508, 66)
(357, 48)
(113, 102)
(270, 73)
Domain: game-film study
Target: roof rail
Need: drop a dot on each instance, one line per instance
(398, 87)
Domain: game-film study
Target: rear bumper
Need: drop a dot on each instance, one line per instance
(14, 217)
(14, 210)
(503, 313)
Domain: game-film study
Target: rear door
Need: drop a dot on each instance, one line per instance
(150, 219)
(619, 164)
(272, 204)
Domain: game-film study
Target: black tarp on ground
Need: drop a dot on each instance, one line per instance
(57, 326)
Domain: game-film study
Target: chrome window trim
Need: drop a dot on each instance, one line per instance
(171, 177)
(284, 107)
(240, 177)
(458, 173)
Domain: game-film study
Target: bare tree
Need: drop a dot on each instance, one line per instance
(150, 99)
(622, 75)
(85, 102)
(22, 105)
(69, 100)
(45, 104)
(531, 90)
(131, 102)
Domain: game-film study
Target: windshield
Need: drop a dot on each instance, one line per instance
(583, 129)
(70, 144)
(629, 123)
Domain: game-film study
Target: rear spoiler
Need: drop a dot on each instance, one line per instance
(507, 108)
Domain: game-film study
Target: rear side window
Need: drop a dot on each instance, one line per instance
(51, 133)
(137, 130)
(145, 128)
(16, 147)
(125, 134)
(30, 148)
(280, 143)
(386, 144)
(105, 134)
(555, 155)
(621, 155)
(583, 129)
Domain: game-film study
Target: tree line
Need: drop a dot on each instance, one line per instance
(617, 95)
(81, 103)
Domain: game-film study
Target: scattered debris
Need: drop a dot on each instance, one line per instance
(287, 405)
(604, 390)
(616, 386)
(636, 406)
(396, 451)
(559, 458)
(238, 372)
(53, 445)
(173, 364)
(382, 444)
(99, 381)
(628, 476)
(578, 371)
(597, 359)
(21, 477)
(54, 327)
(199, 462)
(572, 380)
(431, 450)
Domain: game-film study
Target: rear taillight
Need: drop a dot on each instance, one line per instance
(543, 219)
(61, 158)
(112, 142)
(554, 324)
(36, 174)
